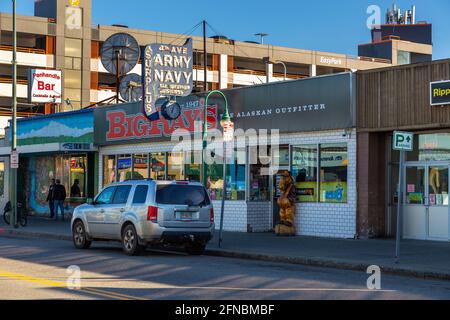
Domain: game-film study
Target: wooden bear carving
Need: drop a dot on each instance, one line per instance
(286, 202)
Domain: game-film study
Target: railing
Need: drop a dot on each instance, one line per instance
(23, 49)
(9, 80)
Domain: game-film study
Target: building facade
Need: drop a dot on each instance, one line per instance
(315, 140)
(392, 99)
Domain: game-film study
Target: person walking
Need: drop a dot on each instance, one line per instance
(59, 195)
(51, 203)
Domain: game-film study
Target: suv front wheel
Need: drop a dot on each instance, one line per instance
(130, 243)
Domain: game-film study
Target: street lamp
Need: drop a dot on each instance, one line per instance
(227, 126)
(267, 60)
(205, 128)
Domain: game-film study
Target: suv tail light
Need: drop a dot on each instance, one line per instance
(152, 214)
(211, 215)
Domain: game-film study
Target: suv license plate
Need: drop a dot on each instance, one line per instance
(186, 215)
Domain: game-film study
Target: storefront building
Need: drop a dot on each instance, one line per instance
(399, 98)
(317, 142)
(58, 146)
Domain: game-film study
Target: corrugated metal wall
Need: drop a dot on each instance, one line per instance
(399, 98)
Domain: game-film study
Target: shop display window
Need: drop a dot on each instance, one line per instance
(259, 187)
(304, 172)
(109, 170)
(235, 181)
(158, 166)
(175, 166)
(140, 166)
(192, 168)
(124, 167)
(333, 173)
(71, 171)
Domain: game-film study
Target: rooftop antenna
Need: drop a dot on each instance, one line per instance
(131, 88)
(119, 55)
(261, 35)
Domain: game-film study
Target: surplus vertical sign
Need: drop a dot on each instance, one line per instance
(167, 72)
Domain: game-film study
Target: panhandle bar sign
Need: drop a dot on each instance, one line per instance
(167, 72)
(44, 86)
(440, 93)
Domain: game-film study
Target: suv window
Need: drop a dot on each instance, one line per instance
(140, 194)
(121, 195)
(182, 195)
(105, 196)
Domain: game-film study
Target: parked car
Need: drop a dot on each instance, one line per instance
(145, 212)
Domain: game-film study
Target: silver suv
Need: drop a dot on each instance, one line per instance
(144, 212)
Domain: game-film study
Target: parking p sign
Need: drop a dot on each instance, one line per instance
(403, 141)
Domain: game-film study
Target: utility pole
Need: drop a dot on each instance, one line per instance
(13, 171)
(205, 59)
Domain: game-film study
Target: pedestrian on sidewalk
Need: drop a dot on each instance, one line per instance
(51, 203)
(59, 195)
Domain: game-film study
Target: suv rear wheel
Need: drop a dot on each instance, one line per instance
(195, 249)
(130, 243)
(79, 236)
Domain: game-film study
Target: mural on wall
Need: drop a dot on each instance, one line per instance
(74, 127)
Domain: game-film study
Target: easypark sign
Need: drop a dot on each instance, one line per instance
(44, 86)
(440, 93)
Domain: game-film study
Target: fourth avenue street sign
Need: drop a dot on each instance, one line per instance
(403, 141)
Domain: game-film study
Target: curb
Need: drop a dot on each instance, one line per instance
(305, 261)
(324, 263)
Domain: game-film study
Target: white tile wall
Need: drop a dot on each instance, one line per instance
(313, 219)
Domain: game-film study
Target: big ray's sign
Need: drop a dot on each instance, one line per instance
(114, 125)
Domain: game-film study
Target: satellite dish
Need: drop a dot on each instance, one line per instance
(120, 51)
(131, 88)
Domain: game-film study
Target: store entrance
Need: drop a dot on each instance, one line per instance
(276, 193)
(426, 209)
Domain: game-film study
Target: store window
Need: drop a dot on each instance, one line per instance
(124, 167)
(175, 166)
(140, 166)
(304, 172)
(193, 169)
(109, 170)
(333, 173)
(259, 187)
(72, 171)
(158, 166)
(235, 181)
(2, 179)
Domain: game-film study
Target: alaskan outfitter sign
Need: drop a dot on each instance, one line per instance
(313, 104)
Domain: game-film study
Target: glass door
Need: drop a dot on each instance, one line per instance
(438, 202)
(426, 209)
(415, 203)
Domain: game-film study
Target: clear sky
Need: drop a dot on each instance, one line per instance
(326, 25)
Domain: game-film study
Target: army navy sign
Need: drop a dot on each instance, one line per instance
(167, 72)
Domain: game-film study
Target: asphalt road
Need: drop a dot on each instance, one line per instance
(37, 269)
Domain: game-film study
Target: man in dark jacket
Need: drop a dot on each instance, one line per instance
(59, 195)
(51, 203)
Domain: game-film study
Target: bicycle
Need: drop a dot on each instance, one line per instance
(22, 218)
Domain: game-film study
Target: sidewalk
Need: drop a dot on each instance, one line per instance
(418, 258)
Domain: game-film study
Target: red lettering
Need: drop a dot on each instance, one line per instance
(116, 122)
(129, 121)
(41, 85)
(140, 126)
